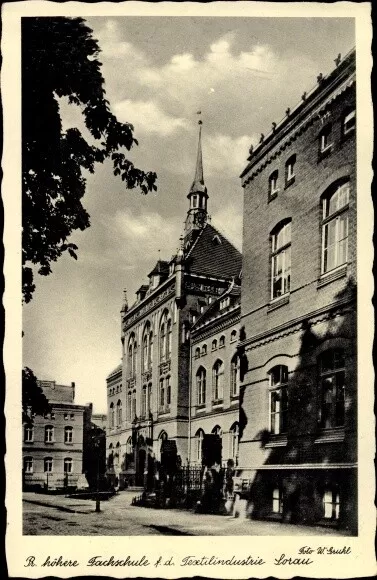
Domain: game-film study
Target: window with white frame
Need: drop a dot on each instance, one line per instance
(48, 464)
(28, 433)
(199, 436)
(201, 377)
(331, 504)
(144, 401)
(234, 376)
(325, 138)
(335, 227)
(68, 465)
(165, 337)
(277, 500)
(168, 392)
(28, 464)
(49, 434)
(349, 122)
(290, 169)
(278, 399)
(234, 438)
(273, 183)
(332, 389)
(217, 381)
(162, 394)
(119, 413)
(131, 359)
(68, 435)
(281, 260)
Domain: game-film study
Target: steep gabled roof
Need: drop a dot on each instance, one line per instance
(162, 267)
(114, 372)
(213, 255)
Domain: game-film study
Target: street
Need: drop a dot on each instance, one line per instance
(58, 515)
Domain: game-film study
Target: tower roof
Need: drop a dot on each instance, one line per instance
(198, 183)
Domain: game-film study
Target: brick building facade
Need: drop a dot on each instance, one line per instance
(149, 393)
(298, 443)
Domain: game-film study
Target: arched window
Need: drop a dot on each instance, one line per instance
(162, 395)
(28, 464)
(332, 388)
(129, 405)
(290, 170)
(144, 402)
(112, 416)
(119, 413)
(48, 464)
(68, 465)
(204, 349)
(273, 184)
(234, 436)
(278, 399)
(28, 433)
(133, 405)
(222, 341)
(217, 381)
(68, 435)
(111, 456)
(201, 386)
(217, 431)
(197, 352)
(117, 453)
(168, 393)
(169, 339)
(199, 436)
(147, 347)
(234, 376)
(233, 336)
(163, 337)
(49, 434)
(335, 227)
(214, 344)
(281, 260)
(129, 446)
(132, 352)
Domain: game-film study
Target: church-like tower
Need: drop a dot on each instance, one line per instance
(198, 196)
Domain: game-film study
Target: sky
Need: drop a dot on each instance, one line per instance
(241, 74)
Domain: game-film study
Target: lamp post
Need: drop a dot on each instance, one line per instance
(97, 448)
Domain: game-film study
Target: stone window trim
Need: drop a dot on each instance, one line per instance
(278, 302)
(332, 275)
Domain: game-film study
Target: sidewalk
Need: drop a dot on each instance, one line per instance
(55, 515)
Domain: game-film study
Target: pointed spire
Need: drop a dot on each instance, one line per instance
(198, 183)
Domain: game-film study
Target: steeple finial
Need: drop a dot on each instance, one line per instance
(198, 183)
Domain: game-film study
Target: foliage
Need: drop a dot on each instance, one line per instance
(34, 401)
(59, 59)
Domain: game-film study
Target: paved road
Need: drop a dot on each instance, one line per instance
(58, 515)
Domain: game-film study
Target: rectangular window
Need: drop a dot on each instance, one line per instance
(28, 465)
(68, 435)
(277, 500)
(48, 465)
(335, 229)
(332, 389)
(278, 410)
(67, 465)
(49, 434)
(29, 434)
(349, 122)
(325, 140)
(331, 504)
(281, 262)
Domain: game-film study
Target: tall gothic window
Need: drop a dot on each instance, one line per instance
(112, 416)
(132, 352)
(281, 260)
(332, 388)
(234, 376)
(278, 399)
(201, 386)
(199, 436)
(144, 401)
(119, 413)
(217, 380)
(147, 347)
(234, 436)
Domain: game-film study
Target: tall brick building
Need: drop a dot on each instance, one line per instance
(148, 394)
(298, 444)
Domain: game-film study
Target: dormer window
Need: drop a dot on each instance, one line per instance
(224, 303)
(216, 240)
